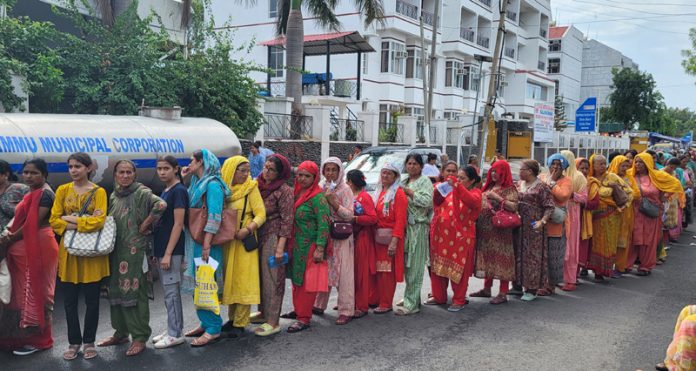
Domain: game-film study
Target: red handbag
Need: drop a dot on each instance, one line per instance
(504, 219)
(316, 277)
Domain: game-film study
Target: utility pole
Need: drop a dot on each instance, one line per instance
(424, 72)
(433, 65)
(493, 83)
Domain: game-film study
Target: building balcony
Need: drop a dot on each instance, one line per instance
(509, 14)
(429, 18)
(483, 41)
(407, 9)
(466, 34)
(509, 52)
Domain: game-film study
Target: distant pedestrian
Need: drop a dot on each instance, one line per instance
(356, 152)
(257, 158)
(430, 169)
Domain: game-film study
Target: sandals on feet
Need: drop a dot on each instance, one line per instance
(297, 327)
(266, 330)
(197, 332)
(343, 320)
(317, 311)
(205, 339)
(481, 294)
(432, 301)
(359, 314)
(455, 308)
(406, 312)
(135, 348)
(380, 310)
(257, 318)
(500, 299)
(111, 341)
(89, 351)
(289, 315)
(71, 353)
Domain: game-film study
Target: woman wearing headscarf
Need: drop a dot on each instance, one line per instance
(30, 250)
(241, 277)
(647, 182)
(419, 190)
(605, 219)
(134, 208)
(536, 206)
(273, 240)
(681, 353)
(495, 258)
(453, 238)
(311, 237)
(340, 253)
(573, 222)
(561, 188)
(583, 167)
(364, 223)
(392, 212)
(206, 186)
(620, 166)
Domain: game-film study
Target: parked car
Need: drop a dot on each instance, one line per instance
(371, 160)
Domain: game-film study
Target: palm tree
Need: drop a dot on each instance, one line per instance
(290, 23)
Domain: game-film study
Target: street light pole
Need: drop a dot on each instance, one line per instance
(493, 83)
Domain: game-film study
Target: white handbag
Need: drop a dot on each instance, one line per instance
(97, 243)
(5, 283)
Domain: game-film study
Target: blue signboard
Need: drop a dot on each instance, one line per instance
(586, 116)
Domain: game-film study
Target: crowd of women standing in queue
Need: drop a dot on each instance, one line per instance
(541, 233)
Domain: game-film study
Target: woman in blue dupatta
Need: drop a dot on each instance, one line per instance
(205, 182)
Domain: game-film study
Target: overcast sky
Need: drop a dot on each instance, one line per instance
(641, 31)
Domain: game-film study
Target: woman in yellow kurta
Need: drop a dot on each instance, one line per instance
(80, 273)
(619, 166)
(241, 279)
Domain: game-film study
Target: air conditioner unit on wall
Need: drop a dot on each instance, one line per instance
(400, 55)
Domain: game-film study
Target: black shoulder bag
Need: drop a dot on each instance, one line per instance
(250, 242)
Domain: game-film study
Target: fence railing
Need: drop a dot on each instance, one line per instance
(428, 18)
(407, 9)
(391, 133)
(466, 34)
(347, 130)
(483, 41)
(284, 126)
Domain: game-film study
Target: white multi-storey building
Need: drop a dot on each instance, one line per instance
(598, 60)
(391, 77)
(565, 66)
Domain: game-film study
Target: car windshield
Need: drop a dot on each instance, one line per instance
(374, 161)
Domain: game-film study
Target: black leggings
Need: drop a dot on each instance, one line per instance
(91, 293)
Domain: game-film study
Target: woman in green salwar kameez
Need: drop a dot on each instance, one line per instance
(419, 190)
(134, 208)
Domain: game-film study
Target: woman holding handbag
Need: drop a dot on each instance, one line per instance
(573, 223)
(31, 252)
(207, 192)
(536, 206)
(308, 269)
(273, 241)
(495, 258)
(619, 166)
(561, 188)
(392, 216)
(134, 208)
(650, 187)
(80, 205)
(341, 247)
(241, 255)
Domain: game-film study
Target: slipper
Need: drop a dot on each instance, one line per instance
(528, 296)
(297, 327)
(289, 315)
(207, 340)
(359, 314)
(266, 330)
(455, 308)
(71, 353)
(317, 311)
(432, 301)
(406, 312)
(569, 287)
(111, 341)
(89, 351)
(481, 294)
(343, 320)
(500, 299)
(380, 310)
(661, 367)
(197, 332)
(136, 348)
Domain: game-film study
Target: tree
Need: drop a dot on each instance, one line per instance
(290, 23)
(635, 100)
(689, 62)
(559, 114)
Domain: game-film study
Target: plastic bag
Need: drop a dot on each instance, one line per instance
(205, 295)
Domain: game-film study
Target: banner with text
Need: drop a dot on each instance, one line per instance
(543, 123)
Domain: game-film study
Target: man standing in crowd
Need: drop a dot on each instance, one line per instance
(257, 158)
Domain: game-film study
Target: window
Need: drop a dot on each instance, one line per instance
(393, 56)
(272, 8)
(414, 64)
(456, 75)
(275, 62)
(452, 115)
(555, 45)
(475, 76)
(534, 91)
(556, 87)
(385, 112)
(554, 65)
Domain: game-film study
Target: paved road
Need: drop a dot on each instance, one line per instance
(622, 325)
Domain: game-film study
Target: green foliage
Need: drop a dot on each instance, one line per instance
(635, 100)
(675, 122)
(689, 62)
(115, 69)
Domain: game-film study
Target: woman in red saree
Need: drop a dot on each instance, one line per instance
(32, 258)
(453, 238)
